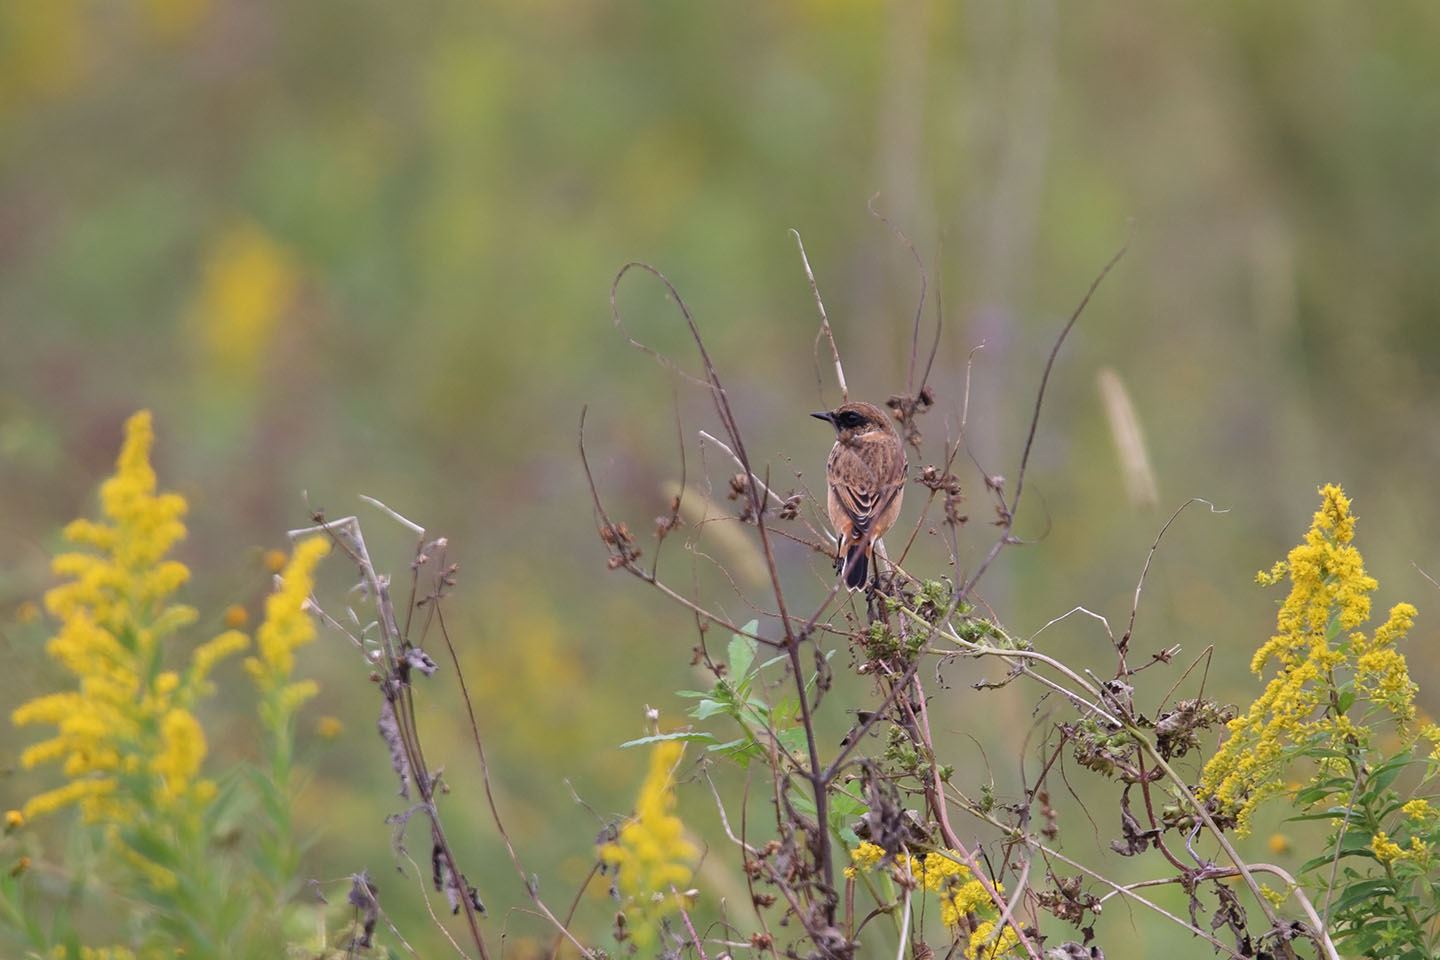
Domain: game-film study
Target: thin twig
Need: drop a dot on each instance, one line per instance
(824, 330)
(1014, 506)
(910, 390)
(1124, 643)
(525, 879)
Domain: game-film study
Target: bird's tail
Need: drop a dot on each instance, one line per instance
(857, 565)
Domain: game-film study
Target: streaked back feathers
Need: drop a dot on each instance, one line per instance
(866, 479)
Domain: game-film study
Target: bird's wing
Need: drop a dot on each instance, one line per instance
(866, 479)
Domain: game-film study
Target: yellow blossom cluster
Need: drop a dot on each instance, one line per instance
(128, 744)
(1418, 809)
(652, 857)
(1317, 646)
(250, 280)
(287, 627)
(963, 899)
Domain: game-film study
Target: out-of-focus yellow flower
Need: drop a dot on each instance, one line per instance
(27, 612)
(107, 953)
(1318, 636)
(249, 282)
(328, 727)
(287, 626)
(652, 854)
(129, 747)
(1278, 844)
(14, 820)
(275, 560)
(235, 616)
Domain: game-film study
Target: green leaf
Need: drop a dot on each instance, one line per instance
(1385, 775)
(707, 708)
(1359, 892)
(696, 737)
(1346, 699)
(742, 652)
(1325, 859)
(792, 739)
(742, 751)
(848, 806)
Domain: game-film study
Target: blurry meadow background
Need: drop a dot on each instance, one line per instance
(346, 248)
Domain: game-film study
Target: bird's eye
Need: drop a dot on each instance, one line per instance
(850, 419)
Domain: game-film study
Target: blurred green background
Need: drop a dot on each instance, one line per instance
(366, 247)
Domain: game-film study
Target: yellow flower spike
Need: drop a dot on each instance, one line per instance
(183, 750)
(250, 280)
(287, 625)
(1329, 590)
(651, 854)
(203, 660)
(126, 715)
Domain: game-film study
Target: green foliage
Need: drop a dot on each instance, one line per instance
(740, 693)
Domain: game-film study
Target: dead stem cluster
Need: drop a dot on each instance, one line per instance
(864, 830)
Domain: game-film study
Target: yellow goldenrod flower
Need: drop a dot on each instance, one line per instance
(986, 945)
(213, 651)
(1384, 848)
(249, 282)
(287, 626)
(183, 747)
(14, 820)
(1278, 844)
(128, 745)
(275, 560)
(1418, 809)
(652, 854)
(864, 857)
(328, 727)
(235, 616)
(1317, 637)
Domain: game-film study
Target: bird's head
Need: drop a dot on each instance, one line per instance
(854, 419)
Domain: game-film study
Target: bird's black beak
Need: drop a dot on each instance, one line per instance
(825, 415)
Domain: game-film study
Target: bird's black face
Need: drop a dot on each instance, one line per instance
(847, 419)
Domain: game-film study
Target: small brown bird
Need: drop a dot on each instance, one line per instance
(866, 476)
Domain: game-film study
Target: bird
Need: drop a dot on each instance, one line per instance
(866, 479)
